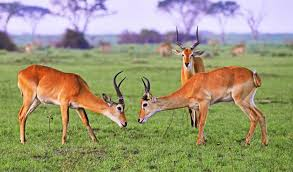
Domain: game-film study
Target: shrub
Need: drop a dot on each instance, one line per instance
(74, 39)
(6, 43)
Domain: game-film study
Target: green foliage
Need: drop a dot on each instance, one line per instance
(148, 147)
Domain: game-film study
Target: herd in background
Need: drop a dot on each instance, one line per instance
(163, 50)
(76, 33)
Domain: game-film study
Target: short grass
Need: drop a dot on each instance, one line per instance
(166, 142)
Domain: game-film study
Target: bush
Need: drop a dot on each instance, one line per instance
(74, 39)
(6, 43)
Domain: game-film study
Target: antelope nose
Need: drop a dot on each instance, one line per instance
(186, 64)
(140, 121)
(125, 124)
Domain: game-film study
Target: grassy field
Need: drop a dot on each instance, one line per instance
(153, 146)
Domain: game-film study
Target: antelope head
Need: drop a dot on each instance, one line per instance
(187, 53)
(148, 104)
(116, 109)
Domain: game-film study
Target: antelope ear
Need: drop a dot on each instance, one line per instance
(107, 99)
(198, 53)
(177, 52)
(154, 99)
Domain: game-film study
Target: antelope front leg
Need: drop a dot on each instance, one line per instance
(203, 110)
(65, 119)
(85, 121)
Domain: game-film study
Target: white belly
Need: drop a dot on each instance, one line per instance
(47, 100)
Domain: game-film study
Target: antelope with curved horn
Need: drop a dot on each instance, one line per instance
(192, 63)
(40, 84)
(204, 89)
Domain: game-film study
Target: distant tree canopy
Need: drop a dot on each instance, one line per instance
(80, 12)
(8, 11)
(33, 15)
(227, 8)
(186, 12)
(222, 11)
(15, 9)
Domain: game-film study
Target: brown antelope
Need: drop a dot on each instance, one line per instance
(165, 49)
(40, 84)
(238, 49)
(204, 89)
(192, 63)
(105, 47)
(28, 48)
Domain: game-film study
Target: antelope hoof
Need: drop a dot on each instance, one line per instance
(264, 143)
(200, 142)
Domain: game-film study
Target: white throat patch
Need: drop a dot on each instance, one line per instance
(149, 115)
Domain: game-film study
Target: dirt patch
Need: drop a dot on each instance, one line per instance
(269, 100)
(81, 151)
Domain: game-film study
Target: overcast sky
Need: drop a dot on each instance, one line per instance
(133, 15)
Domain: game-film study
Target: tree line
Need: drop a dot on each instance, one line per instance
(80, 13)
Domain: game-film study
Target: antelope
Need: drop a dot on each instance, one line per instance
(165, 49)
(29, 48)
(204, 89)
(40, 84)
(192, 63)
(238, 49)
(105, 47)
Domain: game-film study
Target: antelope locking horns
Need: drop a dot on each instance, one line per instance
(117, 88)
(197, 40)
(177, 38)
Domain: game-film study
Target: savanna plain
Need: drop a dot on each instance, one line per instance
(167, 141)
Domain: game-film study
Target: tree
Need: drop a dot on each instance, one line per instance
(253, 20)
(222, 11)
(8, 11)
(188, 12)
(33, 15)
(80, 12)
(150, 36)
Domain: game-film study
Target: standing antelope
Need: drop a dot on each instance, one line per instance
(238, 49)
(204, 89)
(41, 84)
(192, 63)
(165, 49)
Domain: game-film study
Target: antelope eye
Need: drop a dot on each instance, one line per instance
(182, 55)
(119, 108)
(144, 105)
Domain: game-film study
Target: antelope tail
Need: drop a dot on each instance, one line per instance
(256, 79)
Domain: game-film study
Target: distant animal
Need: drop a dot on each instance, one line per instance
(192, 63)
(238, 49)
(165, 49)
(214, 44)
(105, 47)
(40, 84)
(30, 47)
(202, 90)
(289, 43)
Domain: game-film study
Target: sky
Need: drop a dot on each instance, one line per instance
(133, 15)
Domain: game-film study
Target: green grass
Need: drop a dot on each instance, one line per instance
(152, 146)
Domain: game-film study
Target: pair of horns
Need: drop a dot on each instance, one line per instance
(193, 46)
(147, 85)
(117, 88)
